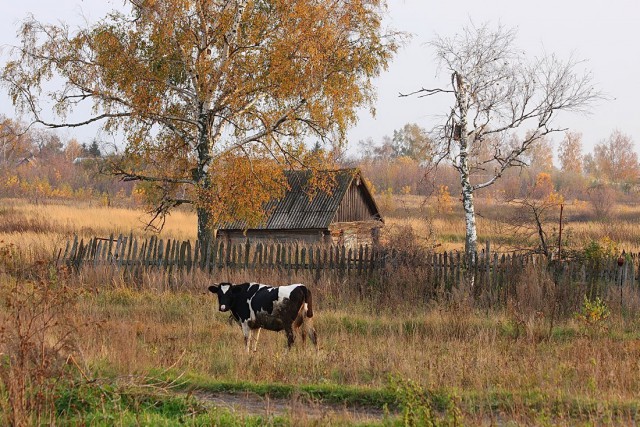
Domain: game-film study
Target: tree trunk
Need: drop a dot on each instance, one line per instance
(205, 231)
(462, 95)
(201, 176)
(471, 236)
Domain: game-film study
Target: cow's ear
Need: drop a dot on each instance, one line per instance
(236, 289)
(213, 288)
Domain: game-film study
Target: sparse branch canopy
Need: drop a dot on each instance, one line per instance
(193, 83)
(498, 94)
(536, 216)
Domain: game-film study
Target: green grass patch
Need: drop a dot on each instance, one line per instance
(327, 393)
(108, 404)
(530, 403)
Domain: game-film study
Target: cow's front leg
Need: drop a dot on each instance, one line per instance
(255, 340)
(246, 330)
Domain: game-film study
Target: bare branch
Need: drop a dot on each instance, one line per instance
(424, 92)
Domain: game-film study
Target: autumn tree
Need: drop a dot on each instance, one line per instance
(369, 149)
(208, 94)
(570, 153)
(495, 92)
(570, 178)
(614, 159)
(15, 144)
(72, 150)
(396, 163)
(539, 157)
(412, 141)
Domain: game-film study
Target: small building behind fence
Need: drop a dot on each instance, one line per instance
(345, 214)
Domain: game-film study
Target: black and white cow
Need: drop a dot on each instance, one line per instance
(274, 308)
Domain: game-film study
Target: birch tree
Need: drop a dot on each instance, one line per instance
(497, 94)
(208, 94)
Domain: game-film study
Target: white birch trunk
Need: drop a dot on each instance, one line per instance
(462, 94)
(471, 236)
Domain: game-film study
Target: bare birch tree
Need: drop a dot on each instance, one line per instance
(498, 93)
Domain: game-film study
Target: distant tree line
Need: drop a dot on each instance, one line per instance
(40, 164)
(403, 163)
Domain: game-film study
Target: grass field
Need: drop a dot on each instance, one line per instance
(100, 349)
(446, 230)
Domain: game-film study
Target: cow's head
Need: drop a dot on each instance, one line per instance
(225, 292)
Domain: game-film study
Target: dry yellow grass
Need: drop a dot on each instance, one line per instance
(446, 229)
(441, 349)
(49, 225)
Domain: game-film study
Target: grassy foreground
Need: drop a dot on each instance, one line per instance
(104, 353)
(101, 348)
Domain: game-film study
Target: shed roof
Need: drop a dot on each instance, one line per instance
(298, 210)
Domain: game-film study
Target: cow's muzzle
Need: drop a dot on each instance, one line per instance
(224, 308)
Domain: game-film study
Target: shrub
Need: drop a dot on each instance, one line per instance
(593, 312)
(602, 199)
(421, 408)
(599, 251)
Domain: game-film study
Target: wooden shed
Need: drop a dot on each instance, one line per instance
(346, 214)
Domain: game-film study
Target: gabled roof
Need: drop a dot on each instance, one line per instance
(297, 210)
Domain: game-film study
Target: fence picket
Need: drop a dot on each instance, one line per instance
(196, 254)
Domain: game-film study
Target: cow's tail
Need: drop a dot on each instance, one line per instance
(309, 301)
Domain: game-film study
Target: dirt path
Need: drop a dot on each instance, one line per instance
(298, 407)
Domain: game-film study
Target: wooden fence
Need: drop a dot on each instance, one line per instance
(129, 253)
(449, 269)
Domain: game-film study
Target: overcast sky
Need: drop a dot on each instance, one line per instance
(606, 34)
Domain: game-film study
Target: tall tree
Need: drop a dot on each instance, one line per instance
(539, 156)
(495, 91)
(209, 93)
(412, 141)
(570, 154)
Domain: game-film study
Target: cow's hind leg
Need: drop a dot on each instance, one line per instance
(313, 336)
(290, 336)
(299, 324)
(311, 331)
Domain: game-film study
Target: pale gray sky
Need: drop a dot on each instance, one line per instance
(605, 34)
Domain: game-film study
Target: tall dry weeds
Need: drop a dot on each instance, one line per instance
(532, 303)
(37, 336)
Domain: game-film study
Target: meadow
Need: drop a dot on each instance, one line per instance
(96, 347)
